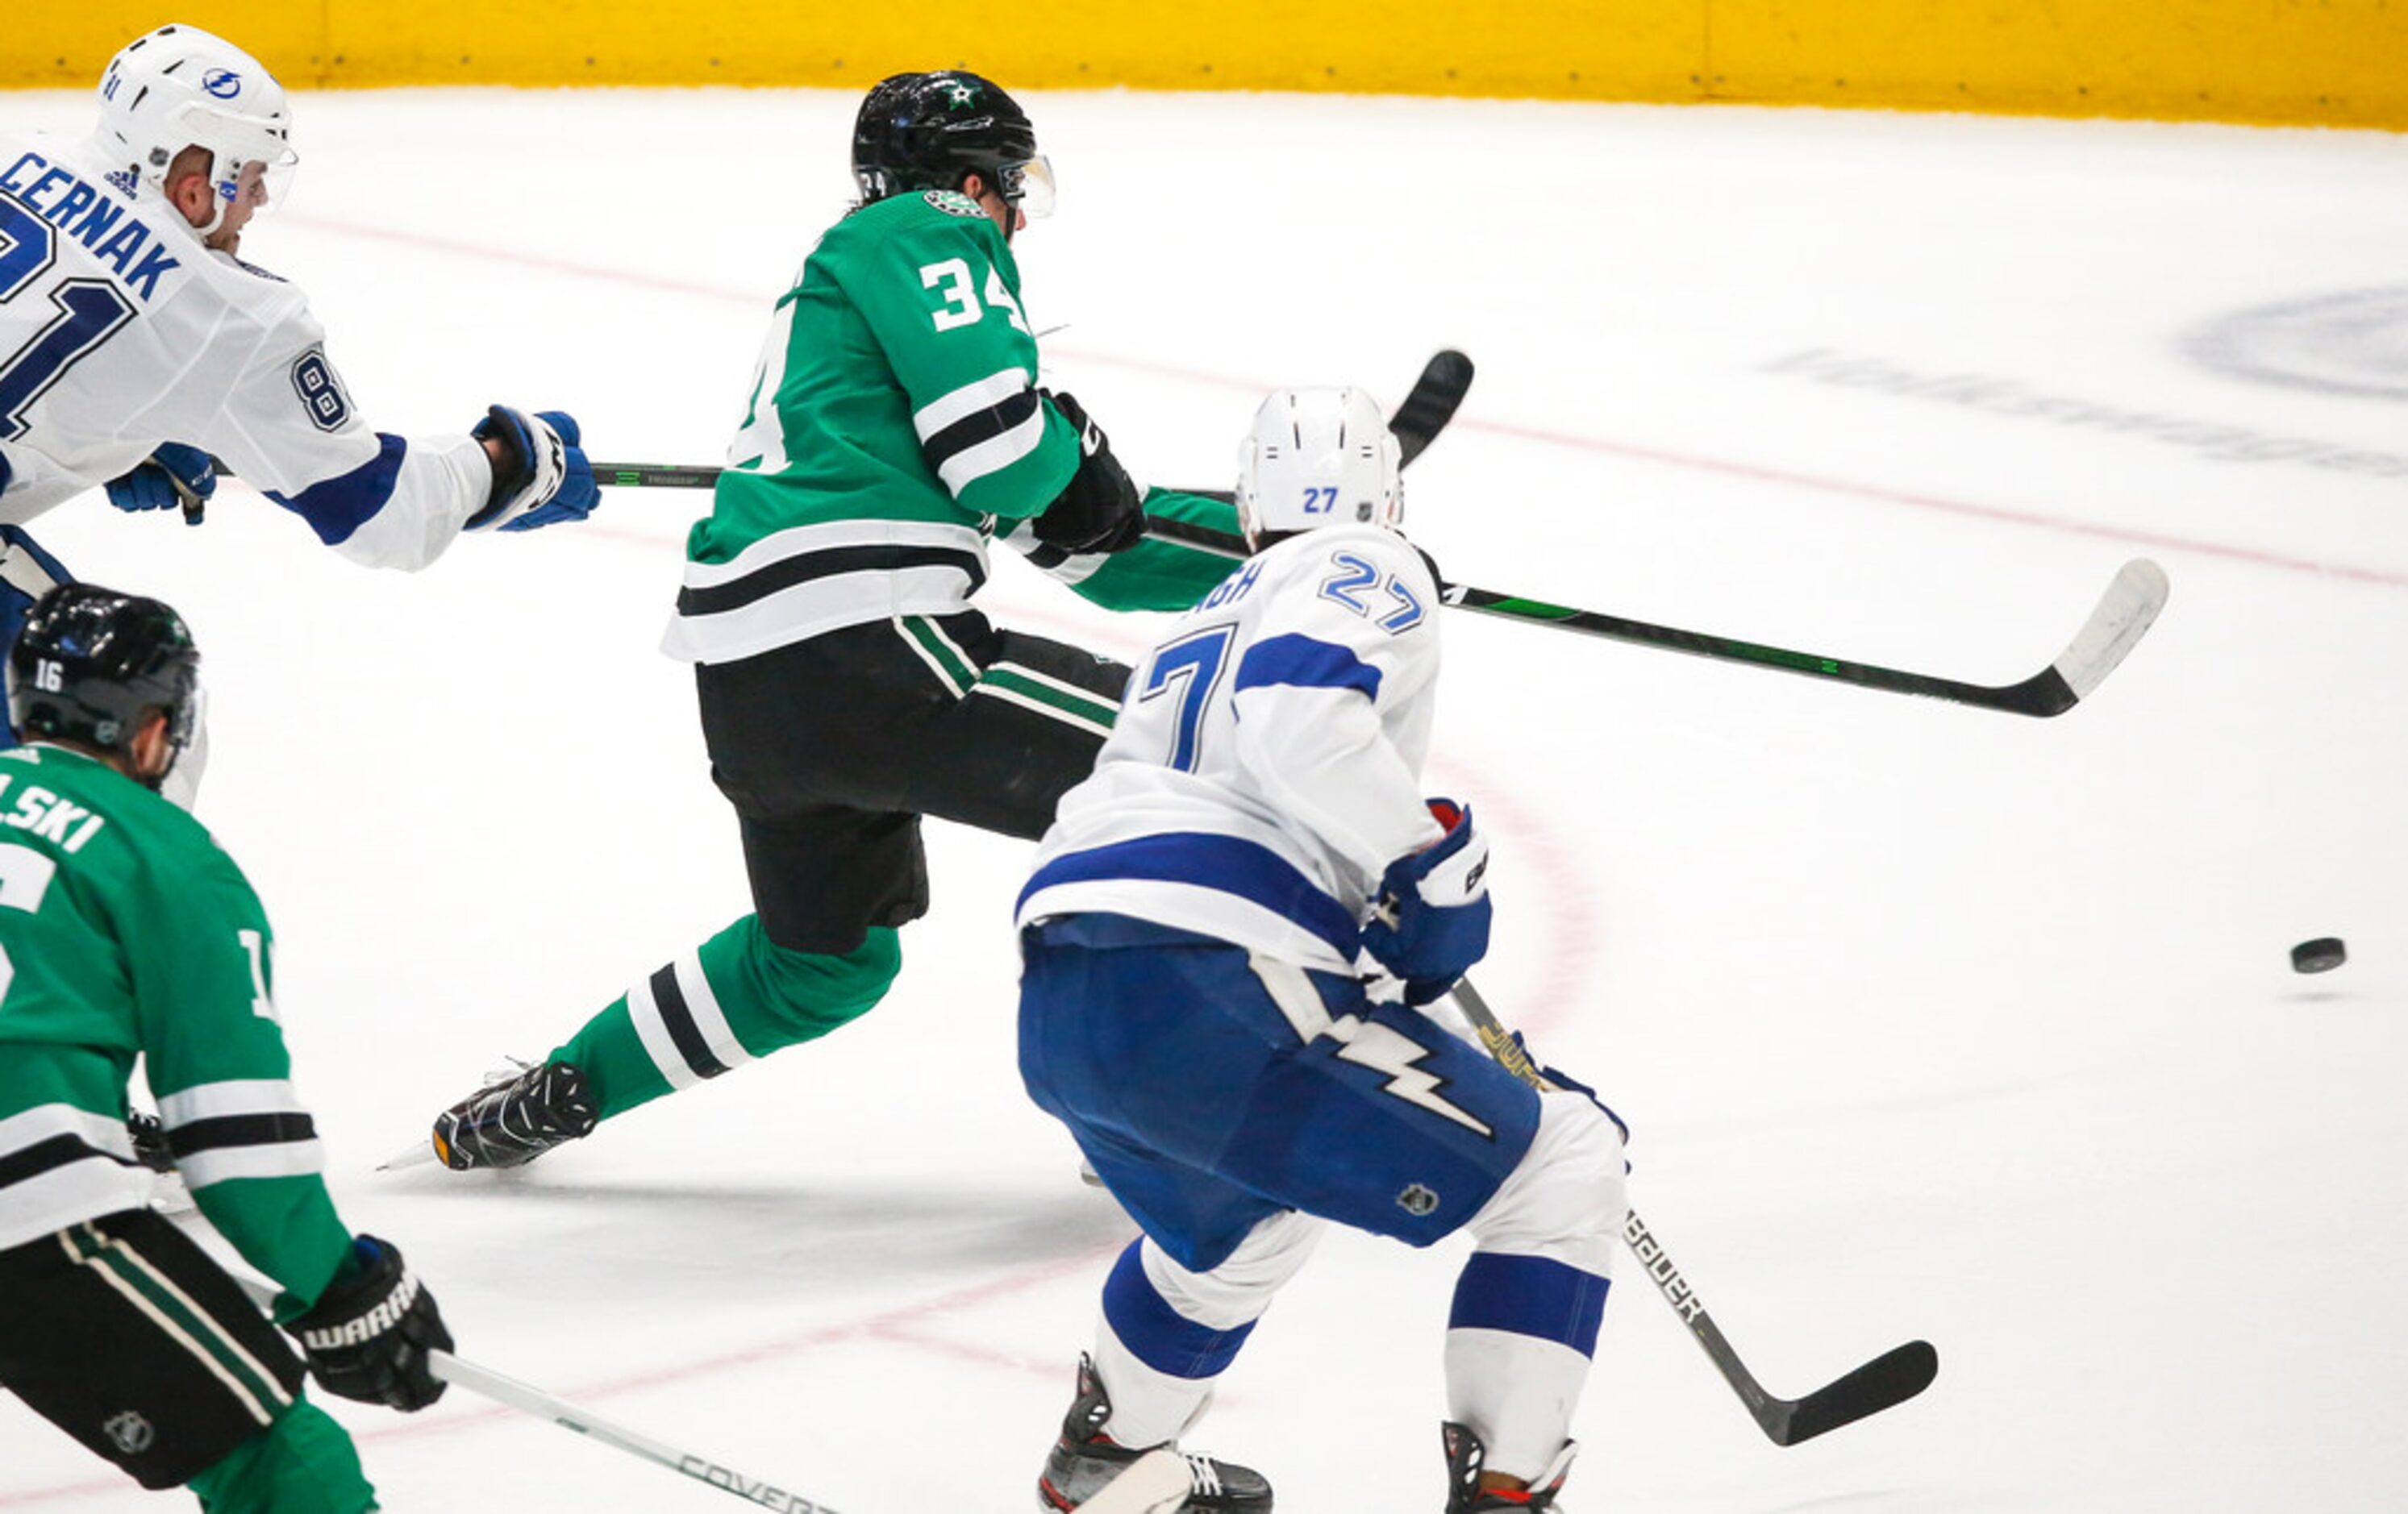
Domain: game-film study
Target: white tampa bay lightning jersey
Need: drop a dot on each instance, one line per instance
(1266, 767)
(119, 331)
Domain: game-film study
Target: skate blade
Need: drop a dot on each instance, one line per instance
(1155, 1483)
(409, 1156)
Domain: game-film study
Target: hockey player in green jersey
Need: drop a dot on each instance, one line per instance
(848, 687)
(125, 933)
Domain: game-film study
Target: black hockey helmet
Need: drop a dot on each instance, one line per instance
(926, 131)
(92, 662)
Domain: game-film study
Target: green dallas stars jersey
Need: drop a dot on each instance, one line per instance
(894, 427)
(124, 932)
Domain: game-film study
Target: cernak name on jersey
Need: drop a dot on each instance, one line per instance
(32, 186)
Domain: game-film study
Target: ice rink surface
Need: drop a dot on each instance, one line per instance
(1931, 1021)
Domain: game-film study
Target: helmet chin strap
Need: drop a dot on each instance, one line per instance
(219, 203)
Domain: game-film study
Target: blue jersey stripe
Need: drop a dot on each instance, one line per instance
(1529, 1295)
(1159, 1336)
(1304, 663)
(336, 508)
(1222, 863)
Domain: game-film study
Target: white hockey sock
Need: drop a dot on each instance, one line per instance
(1516, 1392)
(1527, 1309)
(1167, 1334)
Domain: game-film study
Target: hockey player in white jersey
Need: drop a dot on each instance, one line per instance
(1191, 1004)
(137, 348)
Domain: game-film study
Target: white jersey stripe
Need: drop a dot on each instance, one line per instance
(66, 1195)
(936, 664)
(1013, 697)
(797, 541)
(810, 608)
(232, 1347)
(703, 1005)
(984, 394)
(655, 1032)
(235, 1096)
(1084, 697)
(993, 455)
(30, 1127)
(174, 1331)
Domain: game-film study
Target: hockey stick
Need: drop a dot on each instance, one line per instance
(2123, 614)
(543, 1406)
(1889, 1379)
(1428, 407)
(525, 1397)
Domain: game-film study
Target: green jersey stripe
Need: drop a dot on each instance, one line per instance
(1035, 697)
(88, 1249)
(1086, 701)
(204, 1325)
(957, 672)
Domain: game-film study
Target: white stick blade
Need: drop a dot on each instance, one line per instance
(1155, 1483)
(2124, 615)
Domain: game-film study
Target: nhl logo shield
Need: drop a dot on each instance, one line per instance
(129, 1432)
(1418, 1200)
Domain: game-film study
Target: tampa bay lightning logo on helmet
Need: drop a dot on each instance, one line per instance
(222, 82)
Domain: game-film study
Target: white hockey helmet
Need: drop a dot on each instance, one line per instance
(1318, 457)
(181, 87)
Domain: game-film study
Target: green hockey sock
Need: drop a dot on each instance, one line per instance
(302, 1463)
(739, 997)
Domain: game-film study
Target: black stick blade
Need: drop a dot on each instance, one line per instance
(1884, 1382)
(1445, 380)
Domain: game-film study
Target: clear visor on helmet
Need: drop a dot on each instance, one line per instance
(251, 162)
(262, 186)
(1029, 187)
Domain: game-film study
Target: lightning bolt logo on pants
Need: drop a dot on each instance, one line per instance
(1385, 1048)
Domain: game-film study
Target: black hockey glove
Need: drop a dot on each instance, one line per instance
(150, 1142)
(1098, 510)
(368, 1334)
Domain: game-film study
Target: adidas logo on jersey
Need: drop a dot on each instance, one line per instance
(953, 203)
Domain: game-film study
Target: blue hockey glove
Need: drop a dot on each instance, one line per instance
(1432, 921)
(173, 475)
(544, 479)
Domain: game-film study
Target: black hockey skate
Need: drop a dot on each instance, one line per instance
(514, 1121)
(1467, 1458)
(1086, 1459)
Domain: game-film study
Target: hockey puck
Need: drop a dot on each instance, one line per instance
(2321, 955)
